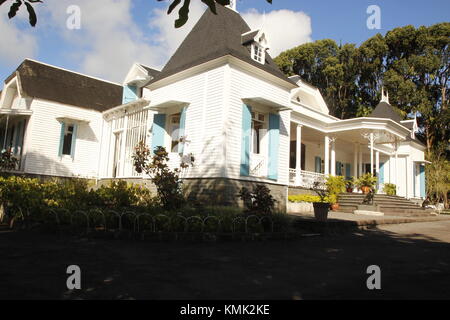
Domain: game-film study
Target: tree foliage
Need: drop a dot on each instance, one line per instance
(17, 4)
(167, 181)
(411, 63)
(183, 12)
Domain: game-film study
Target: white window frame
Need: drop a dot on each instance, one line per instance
(67, 125)
(258, 53)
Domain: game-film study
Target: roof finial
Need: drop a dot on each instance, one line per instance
(232, 5)
(384, 95)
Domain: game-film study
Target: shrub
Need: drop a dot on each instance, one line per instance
(304, 198)
(259, 201)
(390, 189)
(8, 161)
(335, 185)
(168, 183)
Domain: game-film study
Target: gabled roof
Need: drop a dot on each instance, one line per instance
(386, 111)
(42, 81)
(215, 36)
(151, 72)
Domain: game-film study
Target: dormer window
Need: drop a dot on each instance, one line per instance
(258, 53)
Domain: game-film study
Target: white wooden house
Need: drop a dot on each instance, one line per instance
(221, 98)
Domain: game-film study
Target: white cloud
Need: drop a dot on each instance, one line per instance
(16, 44)
(166, 35)
(285, 29)
(110, 40)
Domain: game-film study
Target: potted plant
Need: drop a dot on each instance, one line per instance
(390, 189)
(322, 207)
(366, 182)
(349, 185)
(335, 185)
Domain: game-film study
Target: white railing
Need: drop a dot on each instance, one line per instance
(258, 165)
(306, 179)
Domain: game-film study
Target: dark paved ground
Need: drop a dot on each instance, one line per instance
(414, 260)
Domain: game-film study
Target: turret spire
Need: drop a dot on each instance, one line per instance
(384, 95)
(232, 5)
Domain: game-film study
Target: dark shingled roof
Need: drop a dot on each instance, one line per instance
(42, 81)
(215, 36)
(386, 111)
(249, 37)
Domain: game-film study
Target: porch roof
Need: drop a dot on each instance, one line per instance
(166, 104)
(16, 112)
(267, 103)
(357, 129)
(137, 103)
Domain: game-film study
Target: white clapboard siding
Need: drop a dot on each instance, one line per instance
(43, 140)
(244, 85)
(204, 118)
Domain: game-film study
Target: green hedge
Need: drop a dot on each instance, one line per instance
(304, 198)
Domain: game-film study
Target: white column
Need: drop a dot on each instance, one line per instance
(361, 165)
(327, 156)
(298, 162)
(6, 131)
(395, 168)
(355, 160)
(371, 153)
(333, 156)
(377, 166)
(124, 140)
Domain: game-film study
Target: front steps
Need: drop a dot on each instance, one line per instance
(389, 205)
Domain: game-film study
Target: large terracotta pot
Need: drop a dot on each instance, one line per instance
(321, 211)
(349, 190)
(365, 189)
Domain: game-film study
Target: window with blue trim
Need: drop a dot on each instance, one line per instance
(67, 139)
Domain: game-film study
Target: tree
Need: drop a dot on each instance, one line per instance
(413, 64)
(15, 6)
(329, 67)
(183, 13)
(167, 181)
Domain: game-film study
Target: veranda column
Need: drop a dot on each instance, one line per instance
(355, 160)
(123, 147)
(333, 156)
(327, 156)
(298, 162)
(361, 167)
(371, 139)
(377, 166)
(6, 131)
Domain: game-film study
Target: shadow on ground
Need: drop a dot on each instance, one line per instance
(414, 265)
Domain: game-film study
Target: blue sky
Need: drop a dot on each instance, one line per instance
(116, 33)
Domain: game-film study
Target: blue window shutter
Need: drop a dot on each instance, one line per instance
(318, 164)
(246, 134)
(74, 140)
(274, 144)
(182, 129)
(61, 138)
(348, 170)
(381, 178)
(129, 94)
(422, 182)
(158, 131)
